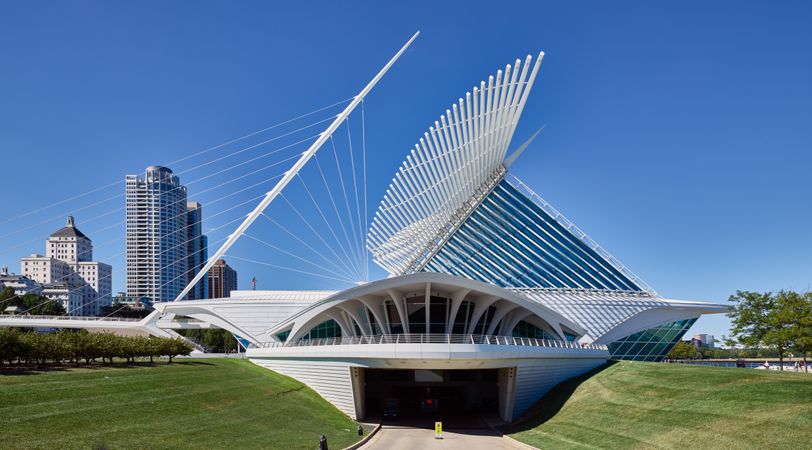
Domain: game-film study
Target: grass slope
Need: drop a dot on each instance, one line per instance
(212, 403)
(648, 405)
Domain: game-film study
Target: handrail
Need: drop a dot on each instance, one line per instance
(434, 338)
(94, 318)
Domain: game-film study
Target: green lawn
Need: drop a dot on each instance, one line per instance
(648, 405)
(207, 403)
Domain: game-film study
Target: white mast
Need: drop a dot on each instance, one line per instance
(271, 195)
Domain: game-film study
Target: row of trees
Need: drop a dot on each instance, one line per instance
(687, 350)
(684, 350)
(31, 303)
(780, 321)
(216, 340)
(126, 311)
(19, 347)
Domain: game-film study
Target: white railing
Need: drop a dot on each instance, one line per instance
(94, 318)
(414, 338)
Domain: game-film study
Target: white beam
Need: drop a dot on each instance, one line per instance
(270, 196)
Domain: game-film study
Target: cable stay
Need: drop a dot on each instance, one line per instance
(303, 242)
(185, 158)
(319, 240)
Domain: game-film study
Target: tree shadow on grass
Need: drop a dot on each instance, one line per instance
(47, 368)
(192, 363)
(551, 403)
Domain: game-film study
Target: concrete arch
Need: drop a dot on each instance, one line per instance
(511, 307)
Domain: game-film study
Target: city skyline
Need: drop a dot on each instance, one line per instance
(664, 251)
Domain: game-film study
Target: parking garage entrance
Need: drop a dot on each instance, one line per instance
(394, 394)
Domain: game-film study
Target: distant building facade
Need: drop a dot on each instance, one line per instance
(20, 283)
(222, 280)
(68, 273)
(70, 295)
(703, 340)
(156, 235)
(121, 298)
(196, 251)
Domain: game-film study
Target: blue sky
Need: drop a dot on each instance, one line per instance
(677, 135)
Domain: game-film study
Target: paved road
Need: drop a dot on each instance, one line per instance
(401, 437)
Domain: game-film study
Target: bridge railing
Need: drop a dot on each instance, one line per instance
(478, 339)
(93, 318)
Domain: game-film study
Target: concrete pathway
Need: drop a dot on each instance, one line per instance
(397, 438)
(471, 434)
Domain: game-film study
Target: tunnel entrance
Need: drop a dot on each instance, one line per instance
(408, 394)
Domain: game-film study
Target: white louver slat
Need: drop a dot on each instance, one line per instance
(451, 163)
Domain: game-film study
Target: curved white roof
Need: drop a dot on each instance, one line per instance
(601, 312)
(343, 307)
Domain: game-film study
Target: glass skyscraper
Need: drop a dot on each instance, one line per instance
(196, 251)
(156, 235)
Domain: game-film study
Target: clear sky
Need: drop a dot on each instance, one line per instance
(677, 135)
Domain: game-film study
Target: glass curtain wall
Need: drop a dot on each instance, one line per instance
(652, 344)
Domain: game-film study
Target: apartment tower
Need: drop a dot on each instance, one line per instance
(157, 222)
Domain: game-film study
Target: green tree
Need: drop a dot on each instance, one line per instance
(797, 311)
(779, 322)
(153, 348)
(7, 296)
(174, 347)
(750, 317)
(38, 305)
(108, 345)
(684, 350)
(216, 340)
(119, 310)
(9, 344)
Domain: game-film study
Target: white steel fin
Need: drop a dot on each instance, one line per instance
(459, 155)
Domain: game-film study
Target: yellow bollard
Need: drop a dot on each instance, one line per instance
(438, 430)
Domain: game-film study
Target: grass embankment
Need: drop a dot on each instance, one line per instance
(647, 405)
(211, 403)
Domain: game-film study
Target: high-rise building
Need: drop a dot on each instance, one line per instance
(222, 280)
(196, 251)
(156, 235)
(84, 285)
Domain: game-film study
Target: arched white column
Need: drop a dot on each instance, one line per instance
(501, 312)
(456, 301)
(480, 306)
(351, 308)
(400, 305)
(375, 306)
(515, 317)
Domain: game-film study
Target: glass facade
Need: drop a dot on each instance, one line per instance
(509, 241)
(328, 329)
(512, 242)
(652, 344)
(439, 316)
(528, 330)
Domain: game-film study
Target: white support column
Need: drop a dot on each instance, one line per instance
(403, 309)
(351, 310)
(428, 307)
(507, 327)
(346, 328)
(456, 301)
(375, 307)
(480, 308)
(501, 312)
(273, 193)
